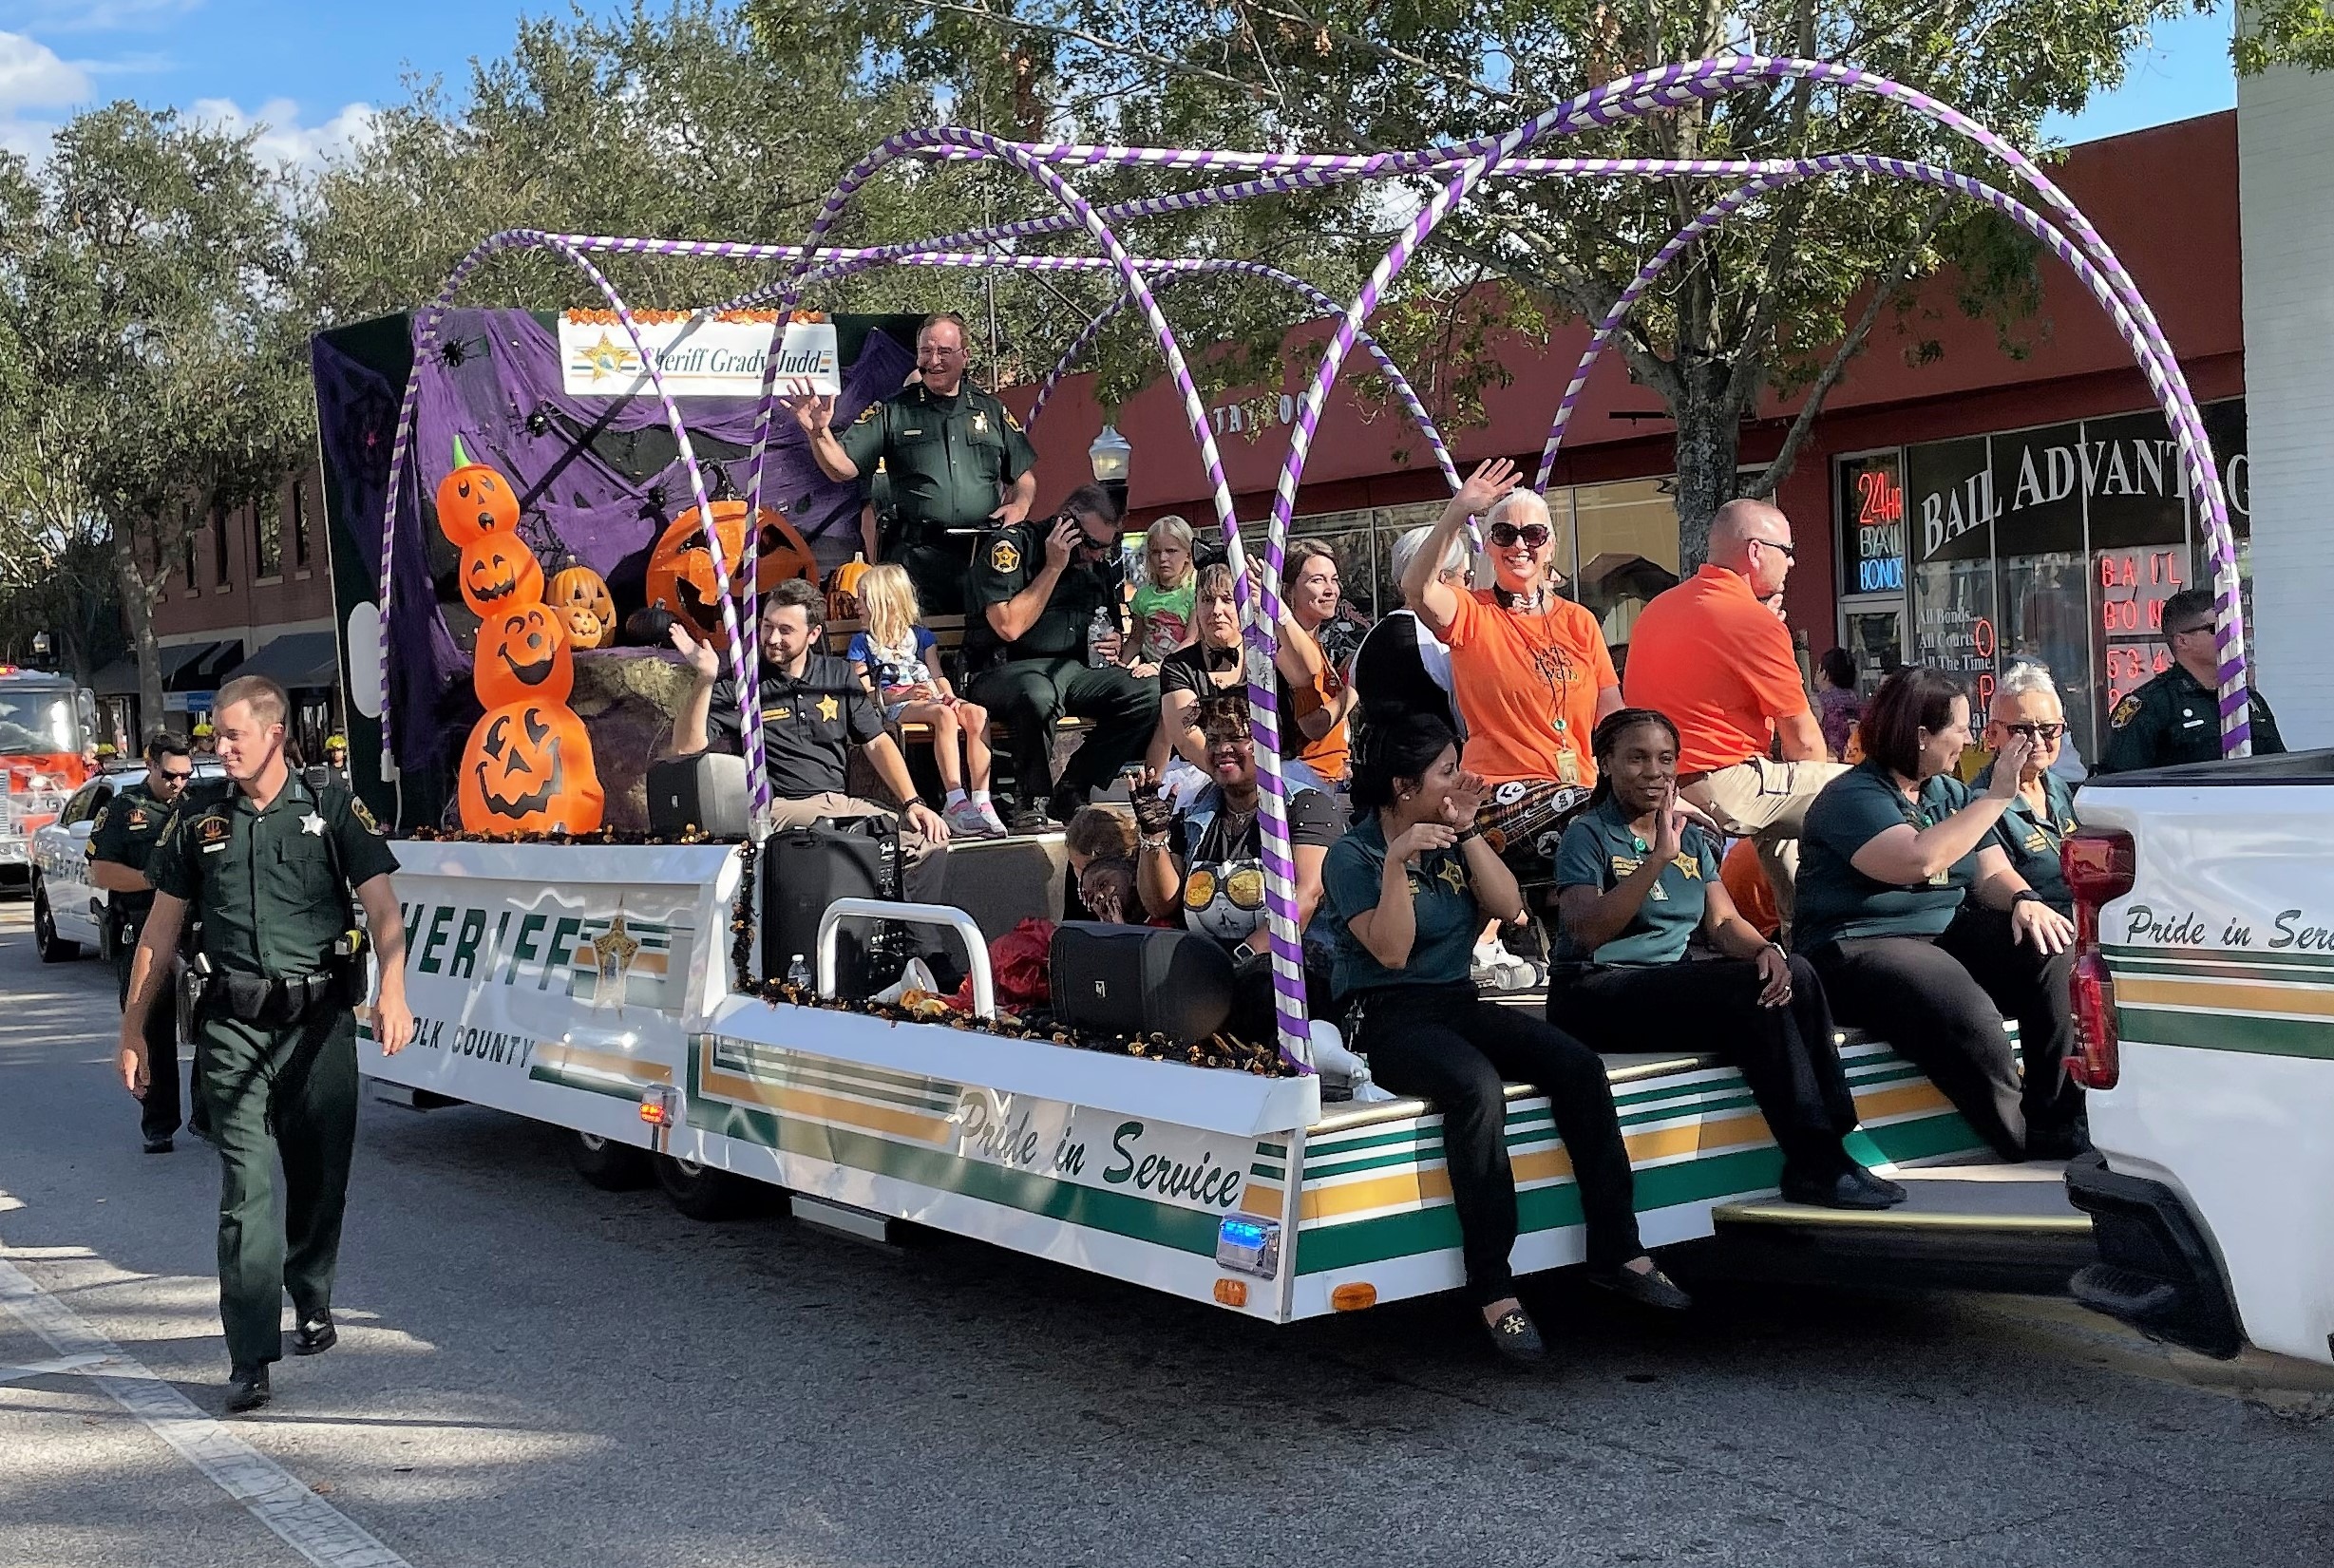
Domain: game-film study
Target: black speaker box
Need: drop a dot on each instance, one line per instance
(706, 792)
(1139, 980)
(805, 870)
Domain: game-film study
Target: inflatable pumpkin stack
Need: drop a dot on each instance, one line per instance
(528, 766)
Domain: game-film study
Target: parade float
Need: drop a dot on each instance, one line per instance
(564, 969)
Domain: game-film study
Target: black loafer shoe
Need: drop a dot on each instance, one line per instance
(1515, 1338)
(1028, 819)
(247, 1388)
(1651, 1289)
(159, 1145)
(315, 1336)
(1853, 1188)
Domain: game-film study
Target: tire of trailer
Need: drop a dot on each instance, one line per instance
(52, 948)
(609, 1165)
(701, 1192)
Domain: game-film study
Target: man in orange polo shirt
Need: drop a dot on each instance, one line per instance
(1715, 658)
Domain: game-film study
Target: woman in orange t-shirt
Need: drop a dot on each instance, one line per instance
(1528, 666)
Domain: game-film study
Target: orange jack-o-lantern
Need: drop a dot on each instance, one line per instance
(680, 569)
(498, 572)
(522, 656)
(527, 768)
(842, 590)
(474, 500)
(580, 596)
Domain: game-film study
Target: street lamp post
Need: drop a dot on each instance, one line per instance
(1112, 456)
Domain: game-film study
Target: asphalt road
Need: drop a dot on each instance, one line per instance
(533, 1372)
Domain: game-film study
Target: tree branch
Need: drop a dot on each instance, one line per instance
(1116, 47)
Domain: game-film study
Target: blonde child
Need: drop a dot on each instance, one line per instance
(1162, 606)
(893, 655)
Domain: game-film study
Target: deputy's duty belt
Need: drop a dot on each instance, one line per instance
(258, 999)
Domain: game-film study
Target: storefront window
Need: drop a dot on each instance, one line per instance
(1625, 543)
(2061, 544)
(1949, 505)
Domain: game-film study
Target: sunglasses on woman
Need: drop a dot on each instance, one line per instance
(1533, 534)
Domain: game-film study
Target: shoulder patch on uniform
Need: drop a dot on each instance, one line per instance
(365, 818)
(97, 823)
(2125, 712)
(1012, 422)
(1004, 555)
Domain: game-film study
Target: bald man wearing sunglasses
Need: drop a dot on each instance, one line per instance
(1711, 655)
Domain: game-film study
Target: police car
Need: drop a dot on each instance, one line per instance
(68, 911)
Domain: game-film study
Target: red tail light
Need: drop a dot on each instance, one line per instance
(2099, 866)
(2098, 1059)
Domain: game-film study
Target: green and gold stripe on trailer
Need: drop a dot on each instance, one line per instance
(2250, 1002)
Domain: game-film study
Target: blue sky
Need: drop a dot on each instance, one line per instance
(310, 69)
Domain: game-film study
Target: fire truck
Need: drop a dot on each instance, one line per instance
(48, 749)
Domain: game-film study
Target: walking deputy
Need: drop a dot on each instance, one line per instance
(119, 844)
(265, 871)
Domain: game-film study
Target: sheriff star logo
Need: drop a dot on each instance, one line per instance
(828, 707)
(609, 956)
(1004, 555)
(313, 823)
(981, 422)
(2125, 712)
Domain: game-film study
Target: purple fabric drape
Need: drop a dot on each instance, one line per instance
(494, 379)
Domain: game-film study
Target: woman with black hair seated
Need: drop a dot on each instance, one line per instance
(1635, 880)
(1923, 932)
(1404, 891)
(1204, 864)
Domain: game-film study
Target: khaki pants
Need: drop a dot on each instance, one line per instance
(1766, 802)
(926, 861)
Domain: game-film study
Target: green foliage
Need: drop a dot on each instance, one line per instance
(2285, 32)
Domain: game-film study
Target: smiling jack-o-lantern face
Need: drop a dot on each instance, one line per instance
(680, 569)
(580, 595)
(499, 573)
(522, 654)
(528, 768)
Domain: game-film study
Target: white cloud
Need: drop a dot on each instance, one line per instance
(102, 15)
(31, 76)
(282, 138)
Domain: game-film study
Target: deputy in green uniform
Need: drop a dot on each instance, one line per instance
(1032, 655)
(266, 870)
(2176, 717)
(121, 840)
(958, 462)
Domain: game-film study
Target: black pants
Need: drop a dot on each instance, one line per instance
(1032, 695)
(1941, 1001)
(1786, 1054)
(1447, 1044)
(935, 563)
(1256, 1010)
(157, 1113)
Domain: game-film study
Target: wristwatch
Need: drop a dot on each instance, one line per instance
(2027, 896)
(1471, 832)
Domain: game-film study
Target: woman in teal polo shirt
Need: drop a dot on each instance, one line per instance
(1635, 880)
(1400, 894)
(2037, 819)
(1925, 934)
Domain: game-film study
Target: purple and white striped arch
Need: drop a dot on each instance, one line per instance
(1460, 167)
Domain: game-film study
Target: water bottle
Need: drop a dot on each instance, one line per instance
(798, 974)
(1101, 626)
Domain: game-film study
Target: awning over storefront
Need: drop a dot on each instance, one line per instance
(296, 660)
(118, 679)
(186, 667)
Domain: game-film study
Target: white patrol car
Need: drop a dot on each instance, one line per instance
(68, 911)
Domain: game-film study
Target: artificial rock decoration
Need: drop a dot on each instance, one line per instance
(680, 569)
(579, 596)
(474, 500)
(527, 769)
(522, 656)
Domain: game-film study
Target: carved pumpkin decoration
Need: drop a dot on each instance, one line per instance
(474, 500)
(528, 768)
(580, 597)
(680, 569)
(499, 572)
(524, 657)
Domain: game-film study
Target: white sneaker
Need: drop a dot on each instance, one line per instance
(965, 822)
(988, 815)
